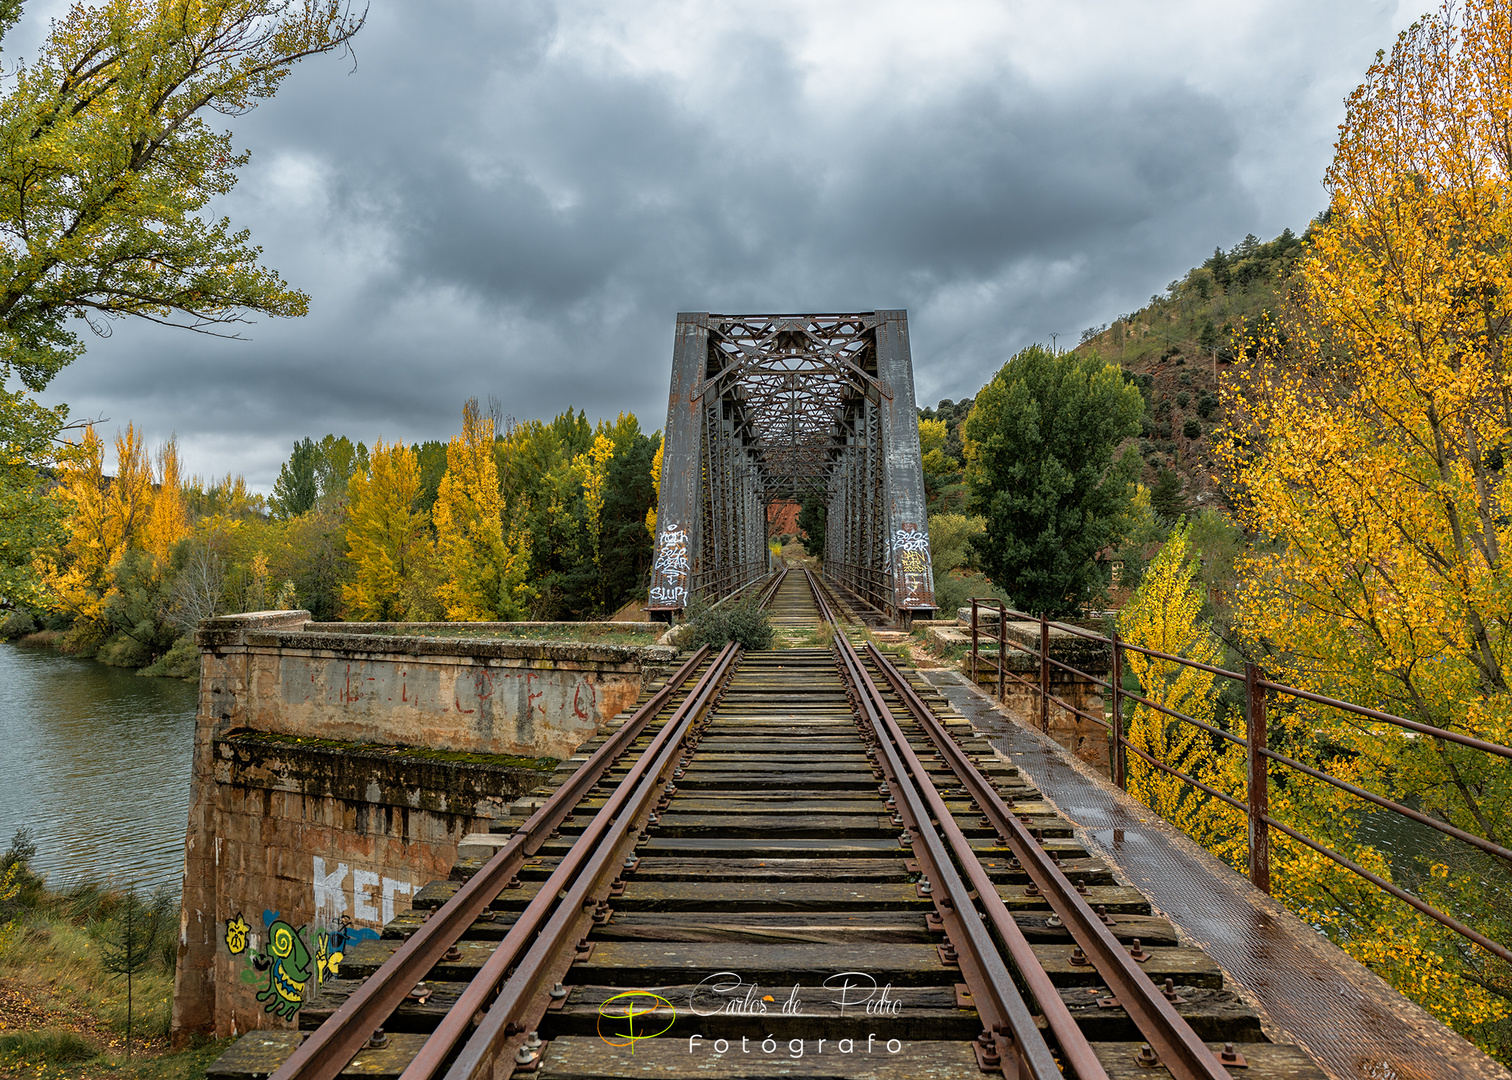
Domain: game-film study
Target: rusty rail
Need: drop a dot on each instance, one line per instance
(1178, 1047)
(1008, 1025)
(512, 991)
(327, 1051)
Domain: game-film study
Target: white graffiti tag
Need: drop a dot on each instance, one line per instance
(911, 557)
(669, 573)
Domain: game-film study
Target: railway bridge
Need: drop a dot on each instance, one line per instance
(816, 860)
(768, 408)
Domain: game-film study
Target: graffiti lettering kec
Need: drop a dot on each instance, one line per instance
(367, 887)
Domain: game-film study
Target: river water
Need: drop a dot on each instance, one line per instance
(95, 761)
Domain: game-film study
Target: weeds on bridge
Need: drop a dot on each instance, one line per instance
(743, 622)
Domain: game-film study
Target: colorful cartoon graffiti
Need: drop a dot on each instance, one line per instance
(331, 946)
(286, 961)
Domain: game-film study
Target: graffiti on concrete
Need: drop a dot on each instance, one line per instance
(372, 894)
(331, 945)
(669, 573)
(911, 566)
(283, 959)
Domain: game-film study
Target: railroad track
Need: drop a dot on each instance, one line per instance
(796, 862)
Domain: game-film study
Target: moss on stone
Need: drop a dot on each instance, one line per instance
(414, 753)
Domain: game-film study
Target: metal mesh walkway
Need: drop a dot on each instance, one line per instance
(1356, 1026)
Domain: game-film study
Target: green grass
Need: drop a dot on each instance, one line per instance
(589, 636)
(47, 1046)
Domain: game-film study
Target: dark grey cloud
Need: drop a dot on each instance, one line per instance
(517, 199)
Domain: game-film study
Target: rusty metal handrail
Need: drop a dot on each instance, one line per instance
(1282, 688)
(1493, 947)
(1256, 804)
(326, 1052)
(1180, 1050)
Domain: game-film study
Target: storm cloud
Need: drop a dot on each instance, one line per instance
(517, 199)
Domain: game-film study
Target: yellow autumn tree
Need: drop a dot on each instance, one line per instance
(168, 519)
(1165, 615)
(656, 467)
(1371, 443)
(386, 538)
(593, 467)
(484, 573)
(104, 517)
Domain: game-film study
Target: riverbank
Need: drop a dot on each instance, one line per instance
(181, 661)
(63, 1011)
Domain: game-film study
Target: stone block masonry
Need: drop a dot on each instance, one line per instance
(1088, 740)
(337, 768)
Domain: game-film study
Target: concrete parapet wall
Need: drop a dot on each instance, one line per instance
(477, 695)
(1087, 739)
(336, 769)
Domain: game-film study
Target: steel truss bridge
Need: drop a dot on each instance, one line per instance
(768, 409)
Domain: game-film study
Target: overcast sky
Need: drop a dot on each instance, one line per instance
(517, 198)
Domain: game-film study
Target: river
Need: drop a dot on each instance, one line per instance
(95, 761)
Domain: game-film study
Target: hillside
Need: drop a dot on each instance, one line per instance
(1178, 349)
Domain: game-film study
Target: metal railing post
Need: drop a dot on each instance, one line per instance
(1259, 785)
(1002, 651)
(1115, 716)
(1044, 674)
(973, 641)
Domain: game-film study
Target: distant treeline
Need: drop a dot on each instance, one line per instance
(536, 519)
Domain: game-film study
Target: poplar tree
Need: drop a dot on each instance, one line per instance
(387, 539)
(1165, 615)
(483, 576)
(1370, 443)
(105, 517)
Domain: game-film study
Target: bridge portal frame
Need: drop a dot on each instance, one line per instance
(773, 407)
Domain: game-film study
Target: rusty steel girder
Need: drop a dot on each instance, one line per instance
(768, 408)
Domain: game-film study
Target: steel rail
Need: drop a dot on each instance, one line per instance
(1075, 1050)
(1009, 1025)
(330, 1047)
(998, 1001)
(1180, 1050)
(535, 939)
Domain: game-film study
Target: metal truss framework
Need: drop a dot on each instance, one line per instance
(777, 407)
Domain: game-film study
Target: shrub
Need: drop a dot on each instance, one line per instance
(180, 662)
(16, 624)
(743, 622)
(1192, 428)
(1206, 405)
(1183, 399)
(954, 591)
